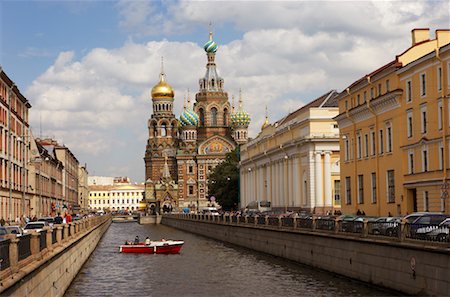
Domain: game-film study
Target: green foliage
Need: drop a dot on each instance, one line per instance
(224, 181)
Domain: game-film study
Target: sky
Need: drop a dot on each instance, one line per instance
(87, 67)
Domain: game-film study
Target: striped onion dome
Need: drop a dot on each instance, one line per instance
(189, 118)
(210, 46)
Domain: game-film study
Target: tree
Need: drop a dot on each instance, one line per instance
(223, 182)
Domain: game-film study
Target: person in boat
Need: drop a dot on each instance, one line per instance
(147, 241)
(136, 240)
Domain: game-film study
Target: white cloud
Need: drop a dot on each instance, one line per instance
(290, 53)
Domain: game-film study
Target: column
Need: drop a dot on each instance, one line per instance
(272, 183)
(327, 177)
(296, 181)
(318, 180)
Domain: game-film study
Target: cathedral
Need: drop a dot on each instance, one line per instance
(181, 153)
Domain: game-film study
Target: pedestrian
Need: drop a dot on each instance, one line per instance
(2, 221)
(136, 240)
(58, 219)
(68, 218)
(147, 241)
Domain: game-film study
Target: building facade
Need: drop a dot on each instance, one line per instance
(119, 196)
(393, 132)
(83, 189)
(14, 150)
(294, 163)
(180, 153)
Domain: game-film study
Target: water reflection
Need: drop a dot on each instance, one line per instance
(203, 268)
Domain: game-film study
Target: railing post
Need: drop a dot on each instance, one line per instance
(337, 225)
(256, 220)
(280, 222)
(48, 238)
(365, 230)
(314, 221)
(59, 230)
(294, 223)
(13, 252)
(66, 232)
(35, 245)
(238, 219)
(246, 219)
(403, 230)
(266, 220)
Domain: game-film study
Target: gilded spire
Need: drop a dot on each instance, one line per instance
(240, 99)
(232, 103)
(162, 74)
(266, 122)
(210, 31)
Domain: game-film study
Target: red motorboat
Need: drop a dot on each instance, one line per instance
(155, 247)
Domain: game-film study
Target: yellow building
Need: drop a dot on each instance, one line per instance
(294, 163)
(394, 130)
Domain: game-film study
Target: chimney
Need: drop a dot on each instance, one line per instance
(419, 35)
(442, 37)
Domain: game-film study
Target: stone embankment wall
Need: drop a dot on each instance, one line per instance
(50, 271)
(412, 268)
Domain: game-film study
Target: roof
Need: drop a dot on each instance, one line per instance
(328, 99)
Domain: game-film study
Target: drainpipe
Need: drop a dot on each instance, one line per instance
(444, 131)
(376, 151)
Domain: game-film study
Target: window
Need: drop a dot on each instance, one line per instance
(426, 201)
(409, 123)
(374, 187)
(372, 94)
(359, 147)
(337, 192)
(213, 116)
(423, 85)
(374, 150)
(441, 157)
(425, 160)
(163, 130)
(408, 91)
(201, 116)
(190, 169)
(381, 142)
(379, 89)
(346, 105)
(191, 190)
(365, 96)
(411, 162)
(347, 149)
(366, 145)
(360, 189)
(348, 191)
(423, 111)
(440, 111)
(225, 117)
(391, 186)
(387, 86)
(389, 139)
(439, 78)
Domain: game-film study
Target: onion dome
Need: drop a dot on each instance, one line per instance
(241, 117)
(162, 89)
(188, 117)
(210, 46)
(266, 121)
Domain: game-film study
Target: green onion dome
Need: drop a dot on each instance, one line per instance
(189, 118)
(210, 46)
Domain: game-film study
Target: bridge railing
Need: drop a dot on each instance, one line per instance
(393, 230)
(17, 252)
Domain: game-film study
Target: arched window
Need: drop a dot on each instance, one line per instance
(202, 116)
(212, 82)
(225, 117)
(213, 116)
(163, 130)
(155, 131)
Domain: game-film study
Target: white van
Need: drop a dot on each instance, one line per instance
(212, 211)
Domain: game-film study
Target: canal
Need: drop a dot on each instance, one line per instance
(204, 267)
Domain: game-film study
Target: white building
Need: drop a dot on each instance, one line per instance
(119, 196)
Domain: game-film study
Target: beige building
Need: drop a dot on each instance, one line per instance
(14, 150)
(394, 125)
(121, 195)
(294, 163)
(83, 189)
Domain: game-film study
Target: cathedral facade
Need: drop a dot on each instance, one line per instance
(181, 152)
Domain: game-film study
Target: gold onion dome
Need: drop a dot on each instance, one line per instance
(162, 89)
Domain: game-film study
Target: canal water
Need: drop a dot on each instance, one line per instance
(204, 267)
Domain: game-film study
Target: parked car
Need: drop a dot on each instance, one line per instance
(435, 233)
(14, 230)
(387, 226)
(3, 233)
(35, 226)
(423, 219)
(49, 220)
